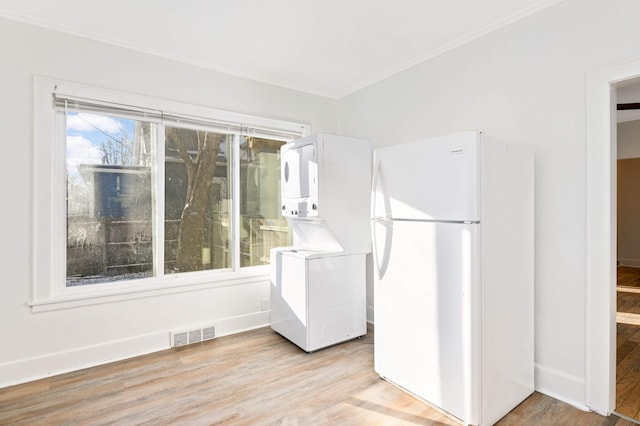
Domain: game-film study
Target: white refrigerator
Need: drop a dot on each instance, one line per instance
(452, 232)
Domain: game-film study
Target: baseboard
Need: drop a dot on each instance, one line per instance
(234, 325)
(370, 314)
(633, 263)
(561, 386)
(30, 369)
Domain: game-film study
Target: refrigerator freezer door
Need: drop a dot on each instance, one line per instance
(427, 318)
(435, 179)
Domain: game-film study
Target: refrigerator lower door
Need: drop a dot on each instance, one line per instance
(427, 312)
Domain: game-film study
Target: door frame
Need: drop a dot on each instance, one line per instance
(601, 238)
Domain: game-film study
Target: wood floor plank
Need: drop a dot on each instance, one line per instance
(628, 276)
(540, 409)
(628, 302)
(629, 403)
(629, 363)
(628, 343)
(624, 332)
(625, 422)
(635, 337)
(624, 351)
(252, 378)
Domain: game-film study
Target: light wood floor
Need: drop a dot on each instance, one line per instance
(252, 378)
(628, 343)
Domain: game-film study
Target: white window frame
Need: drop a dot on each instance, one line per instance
(49, 290)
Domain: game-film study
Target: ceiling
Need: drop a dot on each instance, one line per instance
(325, 47)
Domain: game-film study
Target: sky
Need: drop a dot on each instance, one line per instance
(85, 135)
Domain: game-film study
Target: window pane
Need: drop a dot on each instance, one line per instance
(108, 164)
(197, 200)
(262, 225)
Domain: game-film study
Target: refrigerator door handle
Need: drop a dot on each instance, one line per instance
(379, 197)
(381, 260)
(374, 186)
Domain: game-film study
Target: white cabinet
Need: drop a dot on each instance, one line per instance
(317, 298)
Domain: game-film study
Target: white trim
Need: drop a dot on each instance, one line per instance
(465, 39)
(624, 116)
(29, 369)
(79, 90)
(98, 294)
(561, 386)
(39, 367)
(601, 236)
(311, 89)
(632, 263)
(371, 317)
(48, 287)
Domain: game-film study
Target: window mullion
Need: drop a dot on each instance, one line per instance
(59, 202)
(235, 201)
(158, 178)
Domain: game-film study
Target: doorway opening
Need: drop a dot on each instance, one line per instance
(628, 250)
(602, 241)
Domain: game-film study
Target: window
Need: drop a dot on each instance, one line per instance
(109, 197)
(149, 190)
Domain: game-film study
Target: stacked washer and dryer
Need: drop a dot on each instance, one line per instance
(318, 285)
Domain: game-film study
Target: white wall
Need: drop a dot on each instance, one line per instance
(629, 93)
(628, 253)
(524, 83)
(37, 344)
(629, 139)
(628, 206)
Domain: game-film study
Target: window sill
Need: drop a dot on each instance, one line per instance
(74, 297)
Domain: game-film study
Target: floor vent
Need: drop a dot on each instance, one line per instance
(208, 333)
(194, 335)
(179, 339)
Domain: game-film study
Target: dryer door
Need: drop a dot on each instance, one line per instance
(299, 172)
